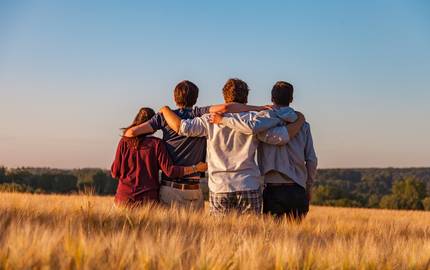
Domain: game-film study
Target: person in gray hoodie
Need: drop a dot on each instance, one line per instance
(289, 169)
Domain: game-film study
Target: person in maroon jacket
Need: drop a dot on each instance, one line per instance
(137, 164)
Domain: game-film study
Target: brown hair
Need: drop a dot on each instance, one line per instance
(142, 116)
(235, 90)
(186, 94)
(282, 93)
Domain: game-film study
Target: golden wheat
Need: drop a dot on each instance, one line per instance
(87, 232)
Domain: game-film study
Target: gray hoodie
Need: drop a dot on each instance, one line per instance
(293, 157)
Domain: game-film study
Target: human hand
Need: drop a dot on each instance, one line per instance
(300, 116)
(267, 107)
(202, 167)
(215, 118)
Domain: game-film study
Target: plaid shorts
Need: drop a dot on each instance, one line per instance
(244, 202)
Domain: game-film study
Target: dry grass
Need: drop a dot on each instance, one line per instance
(86, 232)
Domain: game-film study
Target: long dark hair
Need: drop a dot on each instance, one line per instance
(142, 116)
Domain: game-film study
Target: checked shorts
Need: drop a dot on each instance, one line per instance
(243, 202)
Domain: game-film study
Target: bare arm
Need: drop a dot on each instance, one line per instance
(199, 167)
(235, 108)
(141, 129)
(294, 128)
(171, 118)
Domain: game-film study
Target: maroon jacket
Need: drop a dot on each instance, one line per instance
(137, 164)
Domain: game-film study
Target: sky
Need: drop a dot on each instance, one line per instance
(73, 72)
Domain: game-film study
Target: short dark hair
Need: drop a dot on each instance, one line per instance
(186, 94)
(282, 93)
(235, 90)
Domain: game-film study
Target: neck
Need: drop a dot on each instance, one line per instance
(280, 106)
(184, 107)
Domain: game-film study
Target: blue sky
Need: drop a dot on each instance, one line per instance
(73, 72)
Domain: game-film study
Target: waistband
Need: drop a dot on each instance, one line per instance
(179, 185)
(283, 185)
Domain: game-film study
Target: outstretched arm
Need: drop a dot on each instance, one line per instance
(250, 123)
(171, 118)
(144, 128)
(234, 107)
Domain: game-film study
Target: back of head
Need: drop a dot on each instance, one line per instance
(142, 116)
(235, 90)
(186, 94)
(282, 93)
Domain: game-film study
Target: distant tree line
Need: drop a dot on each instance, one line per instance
(47, 180)
(371, 188)
(374, 188)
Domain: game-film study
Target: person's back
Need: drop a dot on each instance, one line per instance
(136, 167)
(288, 170)
(231, 156)
(289, 159)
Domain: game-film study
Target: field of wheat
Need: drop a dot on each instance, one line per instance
(87, 232)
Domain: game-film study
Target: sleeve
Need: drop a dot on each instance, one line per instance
(277, 135)
(116, 165)
(311, 159)
(165, 162)
(157, 122)
(199, 111)
(250, 123)
(196, 127)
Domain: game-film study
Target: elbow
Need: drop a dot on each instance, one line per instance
(282, 142)
(224, 108)
(130, 133)
(177, 128)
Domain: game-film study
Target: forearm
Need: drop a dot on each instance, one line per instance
(311, 167)
(141, 129)
(171, 118)
(276, 136)
(234, 108)
(295, 127)
(189, 170)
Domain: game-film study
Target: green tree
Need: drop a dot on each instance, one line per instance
(426, 203)
(406, 194)
(389, 202)
(2, 175)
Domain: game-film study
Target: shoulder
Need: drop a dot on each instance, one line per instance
(152, 139)
(122, 141)
(306, 127)
(202, 118)
(156, 121)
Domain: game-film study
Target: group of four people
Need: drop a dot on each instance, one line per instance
(228, 136)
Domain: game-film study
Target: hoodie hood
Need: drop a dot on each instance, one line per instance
(286, 113)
